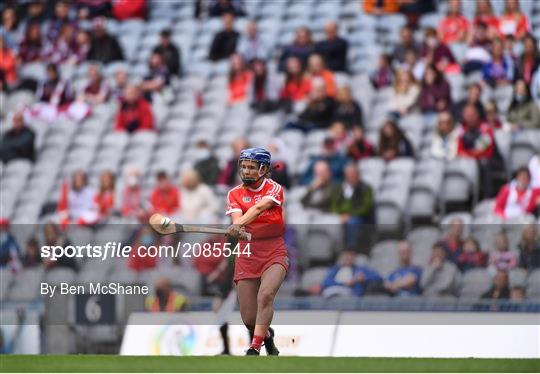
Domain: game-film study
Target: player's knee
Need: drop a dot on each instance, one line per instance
(265, 298)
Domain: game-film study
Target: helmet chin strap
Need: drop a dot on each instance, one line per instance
(249, 181)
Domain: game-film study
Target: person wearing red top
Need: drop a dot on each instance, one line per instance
(317, 70)
(454, 27)
(128, 9)
(240, 78)
(518, 197)
(297, 86)
(139, 260)
(8, 63)
(513, 22)
(135, 113)
(476, 138)
(256, 206)
(105, 197)
(165, 198)
(484, 15)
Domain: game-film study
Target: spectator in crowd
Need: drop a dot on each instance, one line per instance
(135, 113)
(484, 15)
(198, 202)
(106, 194)
(347, 110)
(476, 138)
(165, 299)
(535, 87)
(406, 42)
(224, 43)
(340, 134)
(346, 278)
(513, 22)
(502, 258)
(165, 197)
(436, 52)
(529, 60)
(529, 248)
(9, 26)
(500, 288)
(280, 172)
(120, 82)
(477, 52)
(169, 53)
(452, 242)
(414, 64)
(474, 95)
(404, 95)
(333, 156)
(492, 115)
(454, 27)
(104, 48)
(61, 49)
(500, 70)
(359, 147)
(18, 142)
(10, 252)
(36, 11)
(206, 163)
(158, 77)
(472, 256)
(301, 48)
(383, 75)
(77, 202)
(32, 256)
(319, 192)
(414, 9)
(518, 197)
(441, 276)
(83, 43)
(333, 49)
(354, 201)
(393, 143)
(380, 7)
(8, 63)
(297, 85)
(123, 10)
(139, 260)
(317, 70)
(53, 237)
(240, 79)
(435, 92)
(132, 196)
(60, 19)
(217, 8)
(264, 92)
(444, 141)
(90, 9)
(405, 280)
(31, 47)
(534, 169)
(319, 110)
(229, 174)
(523, 111)
(251, 46)
(96, 91)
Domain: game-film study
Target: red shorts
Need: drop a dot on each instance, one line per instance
(253, 266)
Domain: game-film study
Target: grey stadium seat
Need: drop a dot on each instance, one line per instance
(475, 283)
(313, 277)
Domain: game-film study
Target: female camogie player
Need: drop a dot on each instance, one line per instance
(256, 206)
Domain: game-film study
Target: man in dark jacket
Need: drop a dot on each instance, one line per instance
(169, 52)
(18, 142)
(354, 201)
(333, 49)
(104, 47)
(224, 43)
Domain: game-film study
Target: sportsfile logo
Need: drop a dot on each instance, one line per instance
(117, 250)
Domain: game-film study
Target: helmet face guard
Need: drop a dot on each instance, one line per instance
(258, 155)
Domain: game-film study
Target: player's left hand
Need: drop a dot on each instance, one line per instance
(236, 231)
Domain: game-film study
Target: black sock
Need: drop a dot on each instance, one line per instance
(224, 330)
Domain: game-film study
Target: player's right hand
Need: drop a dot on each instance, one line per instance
(235, 231)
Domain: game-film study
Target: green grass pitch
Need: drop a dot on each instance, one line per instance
(149, 364)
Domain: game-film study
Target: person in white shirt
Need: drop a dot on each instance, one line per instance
(250, 46)
(444, 142)
(534, 169)
(198, 204)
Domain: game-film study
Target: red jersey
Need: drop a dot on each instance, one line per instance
(267, 245)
